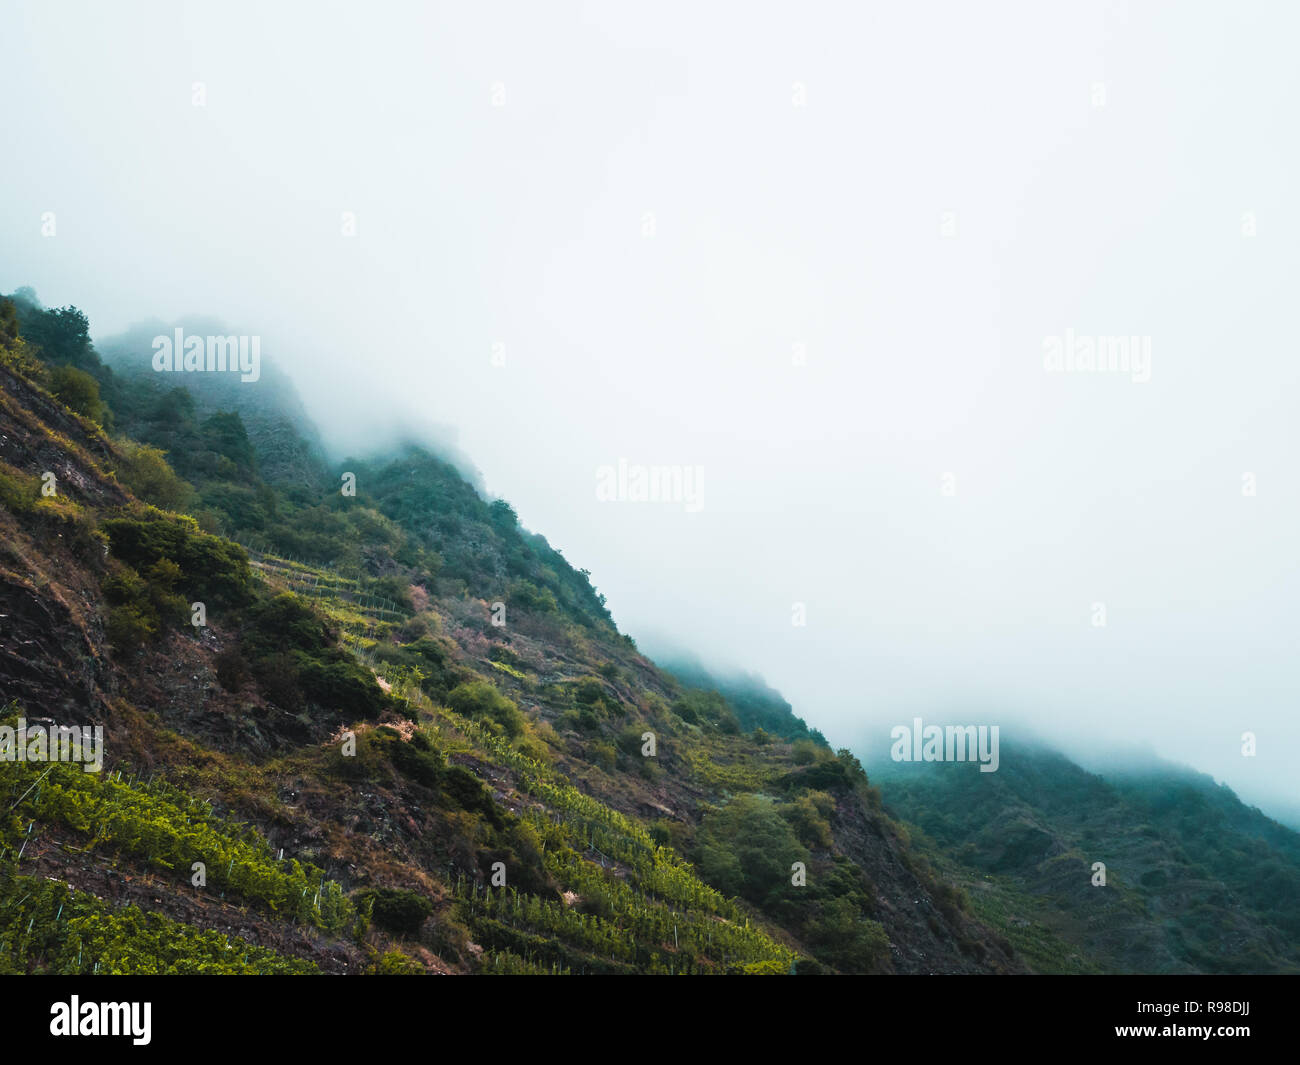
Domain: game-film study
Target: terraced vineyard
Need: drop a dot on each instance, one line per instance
(60, 809)
(655, 914)
(68, 932)
(363, 619)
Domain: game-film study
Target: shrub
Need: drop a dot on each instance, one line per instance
(214, 570)
(464, 789)
(478, 699)
(342, 685)
(629, 740)
(129, 626)
(422, 766)
(395, 909)
(138, 607)
(286, 623)
(746, 848)
(78, 391)
(842, 937)
(528, 596)
(589, 691)
(277, 679)
(146, 472)
(395, 963)
(18, 491)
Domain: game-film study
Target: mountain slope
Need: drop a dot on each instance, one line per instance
(393, 700)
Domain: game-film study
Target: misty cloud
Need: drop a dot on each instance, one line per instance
(816, 258)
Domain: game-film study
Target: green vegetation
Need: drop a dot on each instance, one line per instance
(481, 701)
(1201, 881)
(396, 909)
(371, 712)
(48, 928)
(753, 705)
(168, 831)
(77, 390)
(214, 570)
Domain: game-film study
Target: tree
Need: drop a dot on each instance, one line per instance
(503, 514)
(747, 848)
(841, 936)
(62, 334)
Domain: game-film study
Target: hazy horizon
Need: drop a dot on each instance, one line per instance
(821, 260)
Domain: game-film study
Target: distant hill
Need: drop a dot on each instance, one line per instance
(1196, 881)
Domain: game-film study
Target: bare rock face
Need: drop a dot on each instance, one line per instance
(46, 660)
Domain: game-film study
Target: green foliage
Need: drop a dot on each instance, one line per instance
(466, 792)
(479, 700)
(294, 654)
(1200, 880)
(707, 708)
(339, 683)
(399, 911)
(502, 514)
(145, 471)
(527, 596)
(809, 816)
(395, 963)
(130, 626)
(603, 755)
(430, 658)
(589, 692)
(424, 766)
(213, 570)
(747, 848)
(751, 702)
(60, 335)
(141, 607)
(78, 391)
(659, 917)
(630, 902)
(480, 543)
(285, 623)
(373, 582)
(223, 434)
(8, 322)
(169, 830)
(18, 491)
(833, 774)
(46, 927)
(629, 740)
(841, 936)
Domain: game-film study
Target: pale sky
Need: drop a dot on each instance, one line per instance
(817, 250)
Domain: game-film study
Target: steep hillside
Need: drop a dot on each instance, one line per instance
(1195, 881)
(357, 719)
(757, 706)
